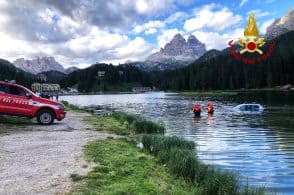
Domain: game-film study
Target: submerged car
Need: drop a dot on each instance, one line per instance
(16, 100)
(249, 108)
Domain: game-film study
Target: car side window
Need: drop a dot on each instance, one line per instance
(16, 91)
(242, 108)
(4, 88)
(255, 108)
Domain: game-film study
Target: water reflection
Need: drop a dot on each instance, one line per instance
(259, 147)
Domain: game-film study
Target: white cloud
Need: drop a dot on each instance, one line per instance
(258, 13)
(151, 31)
(166, 36)
(176, 17)
(215, 40)
(153, 24)
(134, 49)
(95, 46)
(265, 25)
(211, 17)
(243, 2)
(147, 7)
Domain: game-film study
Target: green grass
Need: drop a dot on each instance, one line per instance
(138, 124)
(125, 169)
(154, 143)
(124, 124)
(108, 123)
(15, 120)
(11, 123)
(208, 93)
(72, 107)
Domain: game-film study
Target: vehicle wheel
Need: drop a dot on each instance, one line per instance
(45, 117)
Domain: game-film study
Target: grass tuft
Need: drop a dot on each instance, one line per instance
(76, 177)
(154, 143)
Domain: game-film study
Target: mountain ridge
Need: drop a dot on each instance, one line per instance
(281, 25)
(38, 64)
(179, 49)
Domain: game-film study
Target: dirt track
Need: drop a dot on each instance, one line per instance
(39, 159)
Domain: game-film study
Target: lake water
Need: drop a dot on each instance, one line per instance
(259, 147)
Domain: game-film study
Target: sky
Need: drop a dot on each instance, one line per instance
(83, 32)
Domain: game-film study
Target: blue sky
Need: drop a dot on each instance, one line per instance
(82, 32)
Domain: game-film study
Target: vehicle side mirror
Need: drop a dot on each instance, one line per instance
(28, 95)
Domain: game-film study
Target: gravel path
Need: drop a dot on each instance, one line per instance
(39, 159)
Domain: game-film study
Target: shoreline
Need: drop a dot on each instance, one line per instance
(225, 92)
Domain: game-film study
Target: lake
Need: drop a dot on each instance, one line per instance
(259, 147)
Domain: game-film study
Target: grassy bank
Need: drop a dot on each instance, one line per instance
(72, 107)
(208, 93)
(124, 124)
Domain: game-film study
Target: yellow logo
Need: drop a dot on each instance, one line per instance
(252, 41)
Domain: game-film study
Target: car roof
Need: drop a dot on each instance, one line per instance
(249, 104)
(12, 84)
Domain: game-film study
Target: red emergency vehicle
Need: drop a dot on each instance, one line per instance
(16, 100)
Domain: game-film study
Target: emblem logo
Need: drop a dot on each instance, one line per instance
(252, 43)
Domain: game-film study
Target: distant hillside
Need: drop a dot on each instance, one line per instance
(70, 70)
(10, 72)
(51, 77)
(103, 77)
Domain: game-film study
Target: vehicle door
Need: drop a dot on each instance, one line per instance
(5, 100)
(19, 101)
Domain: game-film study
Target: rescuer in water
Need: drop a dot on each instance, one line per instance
(210, 108)
(197, 109)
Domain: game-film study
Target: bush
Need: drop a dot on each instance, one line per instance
(138, 124)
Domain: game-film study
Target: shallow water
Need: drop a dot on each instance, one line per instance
(260, 147)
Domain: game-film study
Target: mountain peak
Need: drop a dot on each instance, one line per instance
(282, 25)
(38, 64)
(178, 37)
(180, 50)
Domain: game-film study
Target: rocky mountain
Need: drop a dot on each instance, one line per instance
(179, 49)
(70, 70)
(282, 25)
(38, 65)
